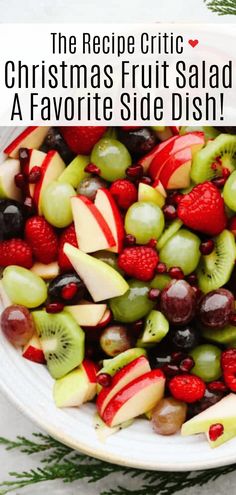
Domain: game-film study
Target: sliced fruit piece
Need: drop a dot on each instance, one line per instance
(71, 390)
(101, 280)
(112, 366)
(87, 314)
(181, 250)
(176, 172)
(36, 159)
(47, 272)
(225, 437)
(103, 431)
(105, 203)
(136, 398)
(31, 137)
(225, 336)
(90, 369)
(8, 169)
(127, 374)
(156, 328)
(62, 341)
(92, 230)
(74, 172)
(51, 168)
(159, 187)
(209, 132)
(33, 351)
(149, 193)
(169, 232)
(5, 301)
(209, 162)
(105, 319)
(215, 269)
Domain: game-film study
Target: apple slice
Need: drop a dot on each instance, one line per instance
(51, 168)
(8, 169)
(31, 137)
(148, 193)
(127, 374)
(176, 172)
(47, 272)
(5, 301)
(36, 159)
(87, 314)
(193, 140)
(33, 351)
(90, 369)
(159, 187)
(108, 209)
(101, 280)
(136, 398)
(77, 387)
(92, 231)
(105, 319)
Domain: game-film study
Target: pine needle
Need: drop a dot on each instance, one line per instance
(222, 7)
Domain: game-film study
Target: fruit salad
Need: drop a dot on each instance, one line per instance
(117, 250)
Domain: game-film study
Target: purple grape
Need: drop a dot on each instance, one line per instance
(11, 219)
(215, 308)
(209, 399)
(138, 141)
(184, 338)
(55, 141)
(178, 302)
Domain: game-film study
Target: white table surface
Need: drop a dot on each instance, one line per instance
(12, 423)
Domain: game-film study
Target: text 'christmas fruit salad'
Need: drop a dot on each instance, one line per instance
(118, 254)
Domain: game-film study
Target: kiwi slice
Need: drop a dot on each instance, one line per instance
(156, 328)
(62, 341)
(168, 233)
(111, 366)
(214, 270)
(218, 154)
(225, 336)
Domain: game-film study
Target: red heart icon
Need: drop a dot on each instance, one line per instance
(193, 43)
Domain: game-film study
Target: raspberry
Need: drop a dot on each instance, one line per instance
(82, 139)
(41, 237)
(188, 388)
(139, 262)
(124, 192)
(203, 209)
(15, 252)
(69, 236)
(228, 365)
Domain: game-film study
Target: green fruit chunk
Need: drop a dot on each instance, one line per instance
(215, 269)
(8, 170)
(156, 328)
(112, 158)
(74, 173)
(160, 281)
(207, 362)
(144, 221)
(229, 192)
(210, 132)
(24, 287)
(109, 258)
(134, 304)
(181, 250)
(225, 336)
(103, 431)
(223, 148)
(148, 193)
(70, 390)
(111, 366)
(169, 232)
(56, 204)
(62, 341)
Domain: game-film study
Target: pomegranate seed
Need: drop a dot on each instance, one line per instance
(178, 198)
(145, 180)
(207, 247)
(24, 156)
(177, 357)
(220, 182)
(226, 172)
(55, 307)
(104, 379)
(69, 291)
(170, 212)
(215, 431)
(217, 386)
(20, 181)
(176, 272)
(192, 279)
(174, 198)
(35, 175)
(135, 171)
(233, 319)
(161, 268)
(153, 294)
(170, 369)
(92, 169)
(152, 243)
(137, 327)
(29, 206)
(186, 365)
(129, 240)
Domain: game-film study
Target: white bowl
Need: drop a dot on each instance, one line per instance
(29, 387)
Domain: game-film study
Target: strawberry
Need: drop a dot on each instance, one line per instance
(69, 236)
(203, 209)
(139, 262)
(124, 192)
(188, 388)
(82, 139)
(228, 365)
(15, 252)
(41, 237)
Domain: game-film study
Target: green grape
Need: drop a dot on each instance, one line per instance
(56, 204)
(160, 281)
(134, 304)
(207, 362)
(112, 158)
(144, 221)
(210, 132)
(229, 192)
(109, 258)
(24, 287)
(182, 250)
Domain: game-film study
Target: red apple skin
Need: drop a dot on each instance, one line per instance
(175, 130)
(171, 147)
(107, 317)
(120, 233)
(33, 351)
(100, 220)
(44, 167)
(232, 225)
(90, 369)
(175, 161)
(141, 363)
(127, 392)
(13, 148)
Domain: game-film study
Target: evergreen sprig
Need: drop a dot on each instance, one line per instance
(61, 462)
(222, 7)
